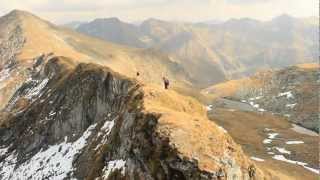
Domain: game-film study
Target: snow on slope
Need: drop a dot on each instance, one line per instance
(58, 159)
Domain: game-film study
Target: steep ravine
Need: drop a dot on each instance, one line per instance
(84, 121)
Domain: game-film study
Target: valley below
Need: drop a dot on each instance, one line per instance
(270, 140)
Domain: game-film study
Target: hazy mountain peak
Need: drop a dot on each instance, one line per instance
(20, 14)
(26, 20)
(17, 12)
(73, 24)
(109, 19)
(154, 21)
(284, 18)
(242, 21)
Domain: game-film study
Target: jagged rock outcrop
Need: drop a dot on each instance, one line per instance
(84, 121)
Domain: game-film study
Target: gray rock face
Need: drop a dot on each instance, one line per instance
(11, 41)
(86, 122)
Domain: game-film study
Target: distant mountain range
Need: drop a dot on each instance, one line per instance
(212, 52)
(73, 24)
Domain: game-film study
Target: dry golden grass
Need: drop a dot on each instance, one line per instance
(231, 87)
(41, 38)
(184, 121)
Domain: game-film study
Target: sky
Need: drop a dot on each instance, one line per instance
(63, 11)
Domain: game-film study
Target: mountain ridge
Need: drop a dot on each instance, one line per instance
(69, 113)
(278, 43)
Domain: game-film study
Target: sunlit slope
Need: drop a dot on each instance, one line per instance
(25, 37)
(43, 37)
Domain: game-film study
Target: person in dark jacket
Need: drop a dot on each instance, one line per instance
(166, 82)
(252, 171)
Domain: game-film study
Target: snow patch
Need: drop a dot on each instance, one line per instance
(256, 159)
(267, 141)
(223, 129)
(288, 94)
(7, 167)
(283, 150)
(209, 107)
(282, 158)
(317, 171)
(267, 129)
(287, 115)
(52, 113)
(54, 162)
(35, 92)
(294, 142)
(256, 106)
(291, 105)
(112, 166)
(272, 135)
(3, 151)
(107, 126)
(255, 98)
(302, 130)
(105, 129)
(258, 97)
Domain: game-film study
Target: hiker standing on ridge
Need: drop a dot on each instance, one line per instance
(252, 171)
(166, 82)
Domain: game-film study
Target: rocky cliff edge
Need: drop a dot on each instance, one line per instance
(84, 121)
